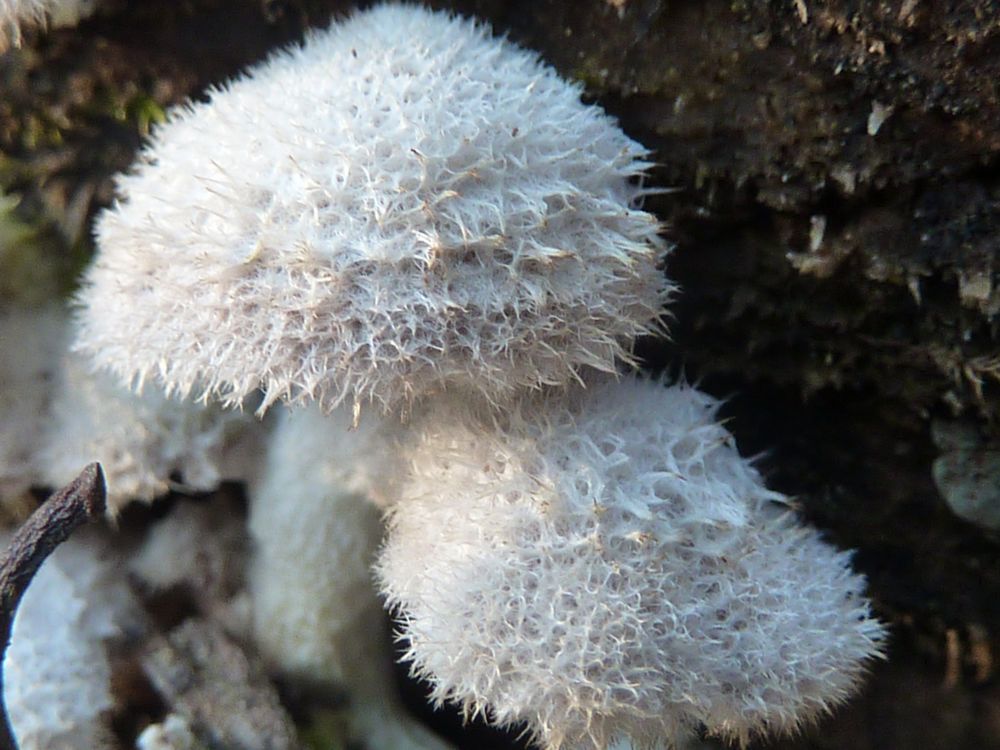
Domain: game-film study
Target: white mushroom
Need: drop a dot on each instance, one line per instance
(404, 204)
(604, 566)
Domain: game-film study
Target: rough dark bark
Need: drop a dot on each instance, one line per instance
(836, 221)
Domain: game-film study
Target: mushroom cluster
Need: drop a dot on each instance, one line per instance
(415, 235)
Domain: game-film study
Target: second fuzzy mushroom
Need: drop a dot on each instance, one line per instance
(604, 567)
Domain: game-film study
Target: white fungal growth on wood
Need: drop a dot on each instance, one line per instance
(147, 443)
(402, 205)
(57, 675)
(606, 567)
(57, 415)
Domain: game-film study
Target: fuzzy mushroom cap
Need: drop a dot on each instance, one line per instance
(403, 204)
(607, 567)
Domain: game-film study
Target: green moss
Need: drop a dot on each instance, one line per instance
(144, 111)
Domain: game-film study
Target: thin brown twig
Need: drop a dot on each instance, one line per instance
(82, 500)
